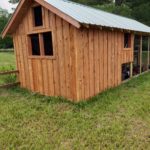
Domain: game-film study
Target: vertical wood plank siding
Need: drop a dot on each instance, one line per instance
(99, 63)
(87, 61)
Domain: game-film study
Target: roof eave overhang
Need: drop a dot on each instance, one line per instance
(114, 29)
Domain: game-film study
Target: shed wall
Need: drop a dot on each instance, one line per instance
(52, 77)
(87, 61)
(100, 55)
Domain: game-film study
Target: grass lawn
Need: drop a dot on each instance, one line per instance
(144, 57)
(116, 119)
(7, 59)
(7, 62)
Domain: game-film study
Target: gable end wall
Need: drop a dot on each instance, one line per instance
(52, 77)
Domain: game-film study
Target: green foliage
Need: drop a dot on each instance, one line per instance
(7, 42)
(140, 10)
(7, 63)
(142, 13)
(92, 2)
(122, 10)
(4, 79)
(7, 68)
(119, 2)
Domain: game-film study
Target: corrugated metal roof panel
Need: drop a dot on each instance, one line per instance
(91, 16)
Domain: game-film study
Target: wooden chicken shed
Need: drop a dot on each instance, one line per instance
(66, 49)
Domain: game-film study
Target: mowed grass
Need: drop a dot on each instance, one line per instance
(7, 63)
(7, 59)
(116, 119)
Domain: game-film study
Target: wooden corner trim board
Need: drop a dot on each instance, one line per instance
(44, 4)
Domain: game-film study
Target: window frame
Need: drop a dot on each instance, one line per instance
(129, 41)
(41, 43)
(33, 21)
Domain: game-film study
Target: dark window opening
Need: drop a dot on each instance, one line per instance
(145, 54)
(48, 44)
(136, 62)
(35, 44)
(125, 71)
(127, 40)
(38, 21)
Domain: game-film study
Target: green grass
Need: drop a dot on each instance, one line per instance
(7, 59)
(144, 58)
(116, 119)
(7, 63)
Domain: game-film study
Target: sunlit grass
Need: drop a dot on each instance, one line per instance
(7, 59)
(116, 119)
(7, 63)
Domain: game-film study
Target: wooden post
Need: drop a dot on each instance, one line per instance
(131, 64)
(41, 44)
(141, 43)
(131, 69)
(148, 52)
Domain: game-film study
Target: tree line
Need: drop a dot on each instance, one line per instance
(136, 9)
(6, 42)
